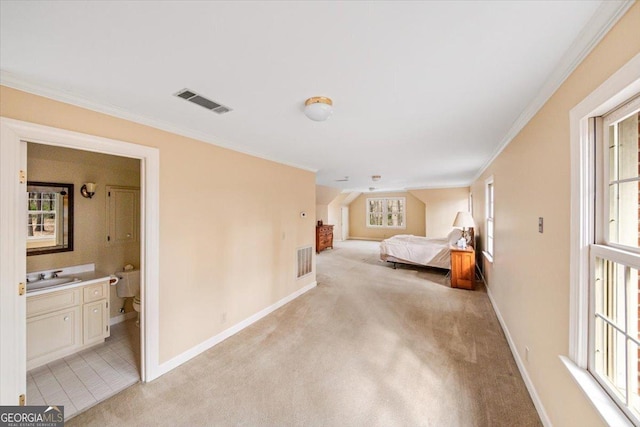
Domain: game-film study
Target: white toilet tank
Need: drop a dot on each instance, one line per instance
(129, 283)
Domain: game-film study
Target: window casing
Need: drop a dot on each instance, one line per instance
(489, 189)
(614, 258)
(386, 212)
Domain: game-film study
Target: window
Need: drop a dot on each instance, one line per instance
(490, 215)
(387, 212)
(42, 216)
(614, 258)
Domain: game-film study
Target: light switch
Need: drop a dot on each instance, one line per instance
(540, 224)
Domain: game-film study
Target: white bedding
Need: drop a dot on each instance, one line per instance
(427, 251)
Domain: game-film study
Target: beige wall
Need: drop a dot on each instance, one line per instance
(237, 262)
(324, 196)
(441, 206)
(529, 279)
(357, 218)
(55, 164)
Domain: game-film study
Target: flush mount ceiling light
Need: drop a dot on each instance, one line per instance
(318, 108)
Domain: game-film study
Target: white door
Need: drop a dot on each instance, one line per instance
(123, 207)
(13, 267)
(345, 223)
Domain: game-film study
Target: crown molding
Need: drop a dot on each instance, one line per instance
(441, 187)
(15, 82)
(598, 26)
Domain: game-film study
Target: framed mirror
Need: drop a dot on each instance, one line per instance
(49, 217)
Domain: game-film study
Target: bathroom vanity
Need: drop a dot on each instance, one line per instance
(65, 318)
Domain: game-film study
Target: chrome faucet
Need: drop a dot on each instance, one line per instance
(55, 273)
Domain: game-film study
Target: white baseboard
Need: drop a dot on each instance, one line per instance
(123, 317)
(523, 371)
(216, 339)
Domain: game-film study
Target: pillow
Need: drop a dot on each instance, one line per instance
(454, 236)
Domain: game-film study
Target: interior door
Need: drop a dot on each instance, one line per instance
(345, 222)
(122, 214)
(13, 267)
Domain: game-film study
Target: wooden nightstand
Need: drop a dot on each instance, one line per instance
(463, 267)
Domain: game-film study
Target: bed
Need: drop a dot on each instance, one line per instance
(416, 250)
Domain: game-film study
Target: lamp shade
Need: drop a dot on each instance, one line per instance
(463, 220)
(318, 108)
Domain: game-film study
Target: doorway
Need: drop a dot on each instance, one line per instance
(345, 222)
(87, 348)
(13, 232)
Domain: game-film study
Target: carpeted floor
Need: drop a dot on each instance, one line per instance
(370, 346)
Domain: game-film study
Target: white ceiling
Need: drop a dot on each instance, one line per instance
(425, 93)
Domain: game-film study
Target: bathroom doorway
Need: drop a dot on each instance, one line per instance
(13, 228)
(100, 225)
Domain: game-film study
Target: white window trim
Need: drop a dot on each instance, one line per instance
(620, 87)
(366, 212)
(489, 255)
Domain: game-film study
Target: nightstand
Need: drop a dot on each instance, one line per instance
(463, 267)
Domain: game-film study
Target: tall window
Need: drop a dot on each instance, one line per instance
(388, 212)
(490, 223)
(614, 353)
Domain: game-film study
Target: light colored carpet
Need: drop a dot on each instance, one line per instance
(370, 346)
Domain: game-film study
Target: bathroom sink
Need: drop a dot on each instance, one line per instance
(50, 283)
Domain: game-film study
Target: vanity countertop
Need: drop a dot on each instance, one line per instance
(85, 277)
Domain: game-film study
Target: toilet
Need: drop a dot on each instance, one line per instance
(129, 287)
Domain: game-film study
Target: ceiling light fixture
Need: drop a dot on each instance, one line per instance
(318, 108)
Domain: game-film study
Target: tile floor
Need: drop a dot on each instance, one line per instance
(85, 378)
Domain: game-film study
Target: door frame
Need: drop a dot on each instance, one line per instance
(13, 163)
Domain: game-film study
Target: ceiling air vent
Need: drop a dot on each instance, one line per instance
(191, 96)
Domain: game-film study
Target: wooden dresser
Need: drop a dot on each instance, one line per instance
(324, 237)
(463, 267)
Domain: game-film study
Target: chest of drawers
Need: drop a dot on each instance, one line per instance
(324, 237)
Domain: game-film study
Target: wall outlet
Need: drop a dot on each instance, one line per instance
(526, 354)
(540, 224)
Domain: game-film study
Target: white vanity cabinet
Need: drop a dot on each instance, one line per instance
(95, 322)
(63, 322)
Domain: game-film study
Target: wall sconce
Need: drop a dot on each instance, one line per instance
(88, 189)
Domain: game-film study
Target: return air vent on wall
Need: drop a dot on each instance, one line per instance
(200, 100)
(305, 264)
